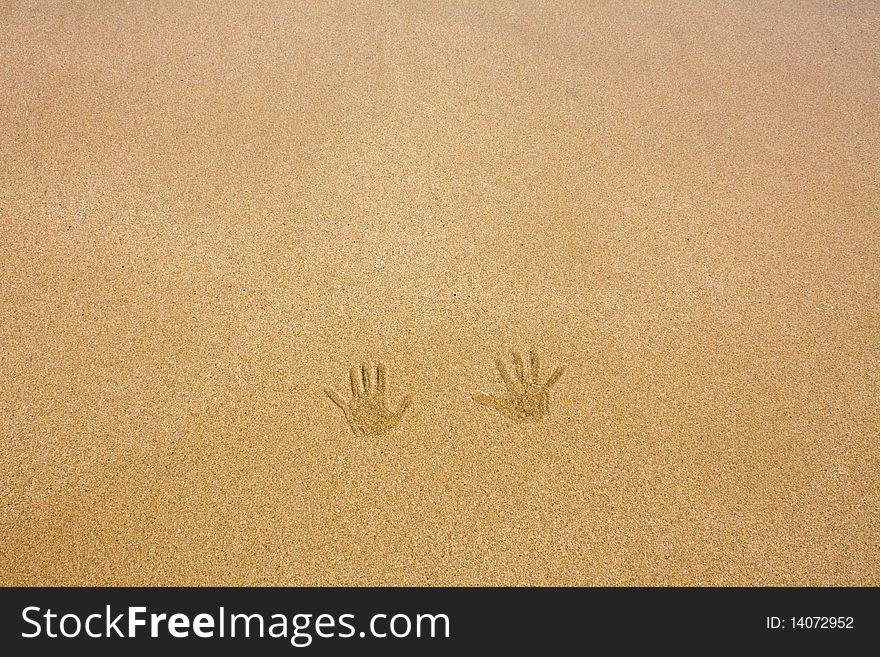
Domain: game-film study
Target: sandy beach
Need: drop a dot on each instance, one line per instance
(210, 212)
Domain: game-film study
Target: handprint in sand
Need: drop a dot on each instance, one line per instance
(368, 413)
(525, 397)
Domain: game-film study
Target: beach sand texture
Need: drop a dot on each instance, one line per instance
(211, 211)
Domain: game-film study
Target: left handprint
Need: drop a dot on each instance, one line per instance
(368, 413)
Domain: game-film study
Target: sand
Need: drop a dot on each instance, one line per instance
(210, 211)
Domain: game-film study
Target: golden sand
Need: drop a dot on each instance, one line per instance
(211, 211)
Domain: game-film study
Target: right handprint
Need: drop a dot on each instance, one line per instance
(526, 397)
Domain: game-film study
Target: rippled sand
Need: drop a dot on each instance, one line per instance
(209, 213)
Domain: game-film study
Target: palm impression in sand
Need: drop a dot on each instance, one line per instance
(525, 397)
(368, 413)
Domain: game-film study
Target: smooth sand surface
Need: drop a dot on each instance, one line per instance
(210, 211)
